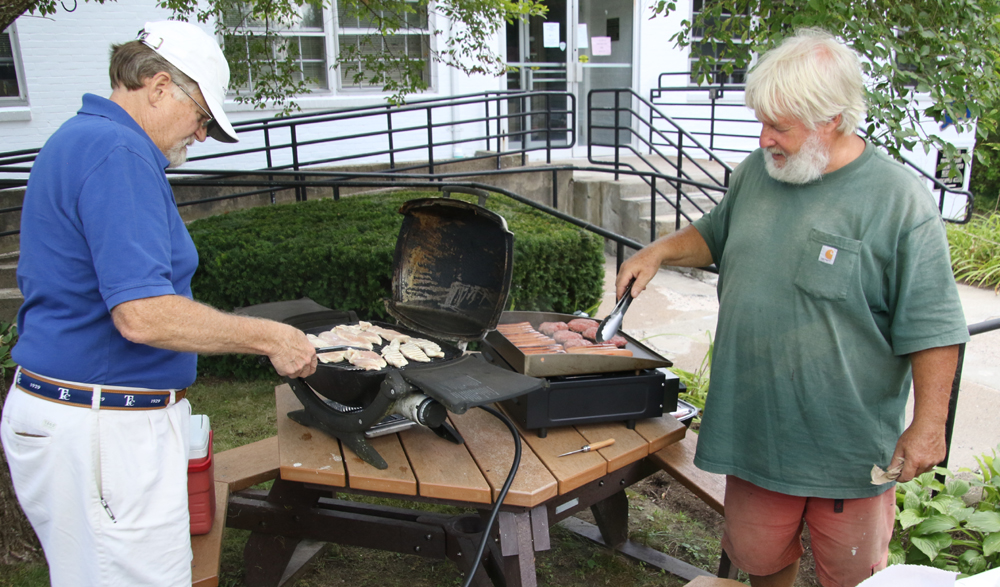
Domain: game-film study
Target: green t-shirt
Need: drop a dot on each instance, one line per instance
(824, 290)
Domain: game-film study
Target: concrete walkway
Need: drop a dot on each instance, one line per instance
(677, 313)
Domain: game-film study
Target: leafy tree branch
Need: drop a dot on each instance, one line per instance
(259, 41)
(940, 51)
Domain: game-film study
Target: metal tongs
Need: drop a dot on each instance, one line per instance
(610, 325)
(339, 347)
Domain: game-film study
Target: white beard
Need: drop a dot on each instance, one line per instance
(803, 167)
(177, 154)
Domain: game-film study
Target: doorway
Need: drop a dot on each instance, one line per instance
(578, 46)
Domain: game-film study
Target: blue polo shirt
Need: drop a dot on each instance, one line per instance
(99, 227)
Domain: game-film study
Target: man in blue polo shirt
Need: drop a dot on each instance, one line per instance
(95, 428)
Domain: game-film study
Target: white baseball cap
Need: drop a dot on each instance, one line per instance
(197, 55)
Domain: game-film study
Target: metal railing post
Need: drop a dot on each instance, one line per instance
(555, 189)
(430, 141)
(590, 125)
(650, 123)
(525, 131)
(949, 425)
(267, 154)
(617, 163)
(500, 129)
(392, 148)
(652, 208)
(712, 94)
(486, 122)
(548, 129)
(300, 192)
(680, 188)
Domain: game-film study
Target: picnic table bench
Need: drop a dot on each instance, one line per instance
(312, 469)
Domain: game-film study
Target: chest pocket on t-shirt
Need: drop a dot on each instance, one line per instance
(827, 265)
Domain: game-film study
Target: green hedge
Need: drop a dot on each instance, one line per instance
(339, 253)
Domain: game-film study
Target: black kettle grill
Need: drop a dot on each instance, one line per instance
(451, 278)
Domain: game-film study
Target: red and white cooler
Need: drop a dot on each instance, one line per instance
(201, 476)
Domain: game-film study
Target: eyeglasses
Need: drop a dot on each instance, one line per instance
(209, 119)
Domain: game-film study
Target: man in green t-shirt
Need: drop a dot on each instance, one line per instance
(835, 293)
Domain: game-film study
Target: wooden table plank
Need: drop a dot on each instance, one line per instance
(248, 465)
(628, 448)
(397, 479)
(490, 444)
(570, 471)
(305, 454)
(206, 549)
(443, 469)
(660, 432)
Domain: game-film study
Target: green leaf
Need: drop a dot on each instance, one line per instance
(909, 518)
(984, 522)
(951, 506)
(897, 554)
(912, 499)
(927, 546)
(991, 545)
(935, 525)
(971, 562)
(957, 487)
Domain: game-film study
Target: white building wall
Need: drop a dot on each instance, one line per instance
(66, 55)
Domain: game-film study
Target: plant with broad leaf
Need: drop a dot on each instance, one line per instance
(936, 527)
(8, 338)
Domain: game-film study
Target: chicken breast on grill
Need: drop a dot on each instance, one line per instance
(393, 355)
(430, 348)
(367, 360)
(411, 351)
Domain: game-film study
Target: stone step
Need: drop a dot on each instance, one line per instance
(10, 302)
(693, 202)
(8, 275)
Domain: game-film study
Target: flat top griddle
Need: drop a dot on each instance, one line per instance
(557, 365)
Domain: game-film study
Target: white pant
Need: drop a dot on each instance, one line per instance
(63, 458)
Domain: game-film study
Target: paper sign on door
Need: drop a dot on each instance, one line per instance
(601, 45)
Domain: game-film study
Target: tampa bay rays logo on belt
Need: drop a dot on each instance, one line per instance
(64, 394)
(129, 401)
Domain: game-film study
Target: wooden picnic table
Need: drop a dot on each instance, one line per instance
(314, 468)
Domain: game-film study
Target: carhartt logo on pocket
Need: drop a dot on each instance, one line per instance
(827, 255)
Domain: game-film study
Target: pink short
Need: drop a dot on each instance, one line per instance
(849, 538)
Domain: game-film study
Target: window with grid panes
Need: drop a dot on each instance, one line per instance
(359, 29)
(11, 86)
(304, 38)
(699, 48)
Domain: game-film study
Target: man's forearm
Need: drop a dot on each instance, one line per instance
(179, 324)
(933, 374)
(684, 248)
(923, 445)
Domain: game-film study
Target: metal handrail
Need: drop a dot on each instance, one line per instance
(638, 127)
(956, 383)
(280, 136)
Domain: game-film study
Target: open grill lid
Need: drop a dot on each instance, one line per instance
(452, 269)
